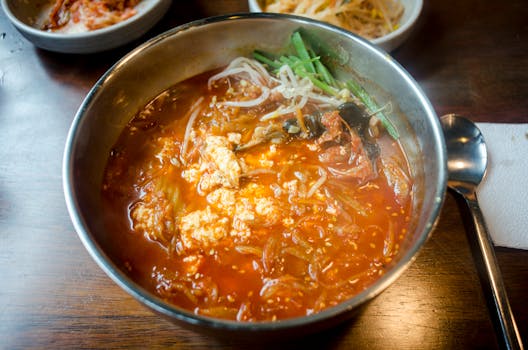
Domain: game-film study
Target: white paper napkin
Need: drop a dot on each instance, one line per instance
(503, 195)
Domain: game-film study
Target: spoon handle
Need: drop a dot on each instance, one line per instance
(501, 310)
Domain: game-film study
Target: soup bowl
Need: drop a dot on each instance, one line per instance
(211, 43)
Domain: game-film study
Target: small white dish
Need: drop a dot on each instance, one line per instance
(23, 15)
(389, 42)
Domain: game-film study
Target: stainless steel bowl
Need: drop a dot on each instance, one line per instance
(210, 43)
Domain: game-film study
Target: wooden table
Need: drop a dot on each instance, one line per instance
(470, 57)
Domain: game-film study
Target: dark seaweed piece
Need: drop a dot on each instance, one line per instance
(358, 118)
(373, 150)
(355, 116)
(291, 126)
(312, 123)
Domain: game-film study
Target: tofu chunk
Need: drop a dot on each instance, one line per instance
(219, 152)
(254, 207)
(202, 229)
(223, 200)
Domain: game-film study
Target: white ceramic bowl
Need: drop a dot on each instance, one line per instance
(23, 15)
(389, 42)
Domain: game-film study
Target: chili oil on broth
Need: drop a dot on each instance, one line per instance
(279, 237)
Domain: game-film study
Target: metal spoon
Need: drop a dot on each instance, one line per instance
(467, 162)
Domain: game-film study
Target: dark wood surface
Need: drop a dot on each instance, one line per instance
(470, 57)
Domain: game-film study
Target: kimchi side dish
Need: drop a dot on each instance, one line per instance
(263, 191)
(70, 16)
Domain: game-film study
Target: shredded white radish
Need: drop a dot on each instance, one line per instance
(257, 73)
(317, 183)
(195, 110)
(278, 112)
(249, 103)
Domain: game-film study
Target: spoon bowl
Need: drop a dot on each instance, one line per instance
(468, 158)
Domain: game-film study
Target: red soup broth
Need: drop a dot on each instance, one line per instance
(229, 216)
